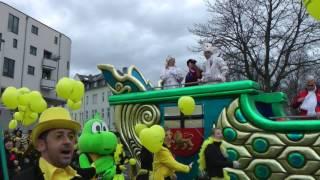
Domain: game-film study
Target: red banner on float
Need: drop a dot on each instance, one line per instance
(185, 141)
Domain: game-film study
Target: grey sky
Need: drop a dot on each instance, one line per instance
(122, 32)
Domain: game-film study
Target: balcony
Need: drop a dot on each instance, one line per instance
(47, 84)
(49, 63)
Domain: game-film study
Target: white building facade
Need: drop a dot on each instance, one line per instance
(95, 100)
(32, 55)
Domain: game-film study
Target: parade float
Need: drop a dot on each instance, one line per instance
(255, 128)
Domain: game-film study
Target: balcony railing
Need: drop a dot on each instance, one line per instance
(47, 84)
(49, 63)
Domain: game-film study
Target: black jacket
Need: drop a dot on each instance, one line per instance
(215, 161)
(35, 173)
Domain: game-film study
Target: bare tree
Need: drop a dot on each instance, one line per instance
(259, 38)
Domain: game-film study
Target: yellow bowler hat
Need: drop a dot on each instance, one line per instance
(54, 118)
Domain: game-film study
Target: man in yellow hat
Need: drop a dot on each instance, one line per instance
(54, 137)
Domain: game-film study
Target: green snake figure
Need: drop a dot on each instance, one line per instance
(97, 146)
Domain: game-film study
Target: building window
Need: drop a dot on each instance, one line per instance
(55, 40)
(102, 96)
(1, 40)
(34, 30)
(13, 24)
(94, 98)
(46, 74)
(31, 70)
(68, 65)
(86, 115)
(47, 54)
(15, 43)
(8, 67)
(33, 50)
(102, 113)
(87, 100)
(92, 113)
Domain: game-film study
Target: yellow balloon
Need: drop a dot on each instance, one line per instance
(77, 91)
(186, 105)
(152, 138)
(24, 99)
(138, 128)
(132, 161)
(24, 90)
(28, 121)
(13, 124)
(74, 105)
(64, 87)
(18, 116)
(35, 95)
(33, 115)
(10, 97)
(22, 108)
(313, 8)
(38, 105)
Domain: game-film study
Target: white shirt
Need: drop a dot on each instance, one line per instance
(215, 69)
(171, 77)
(310, 103)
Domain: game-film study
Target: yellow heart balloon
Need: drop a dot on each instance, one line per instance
(152, 138)
(138, 128)
(313, 8)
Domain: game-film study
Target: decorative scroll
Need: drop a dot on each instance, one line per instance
(268, 155)
(127, 116)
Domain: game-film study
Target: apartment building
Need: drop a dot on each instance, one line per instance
(32, 55)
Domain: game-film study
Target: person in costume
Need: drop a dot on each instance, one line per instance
(215, 68)
(54, 137)
(171, 76)
(97, 145)
(146, 158)
(165, 166)
(308, 100)
(213, 157)
(194, 74)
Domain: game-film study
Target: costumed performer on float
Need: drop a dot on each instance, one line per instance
(97, 146)
(146, 157)
(164, 164)
(213, 157)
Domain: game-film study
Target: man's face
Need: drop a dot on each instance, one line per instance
(207, 54)
(58, 147)
(217, 134)
(311, 84)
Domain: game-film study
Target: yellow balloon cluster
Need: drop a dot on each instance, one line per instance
(29, 104)
(186, 105)
(152, 138)
(72, 91)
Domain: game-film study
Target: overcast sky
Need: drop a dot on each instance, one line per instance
(122, 32)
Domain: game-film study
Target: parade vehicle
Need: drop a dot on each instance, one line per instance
(257, 131)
